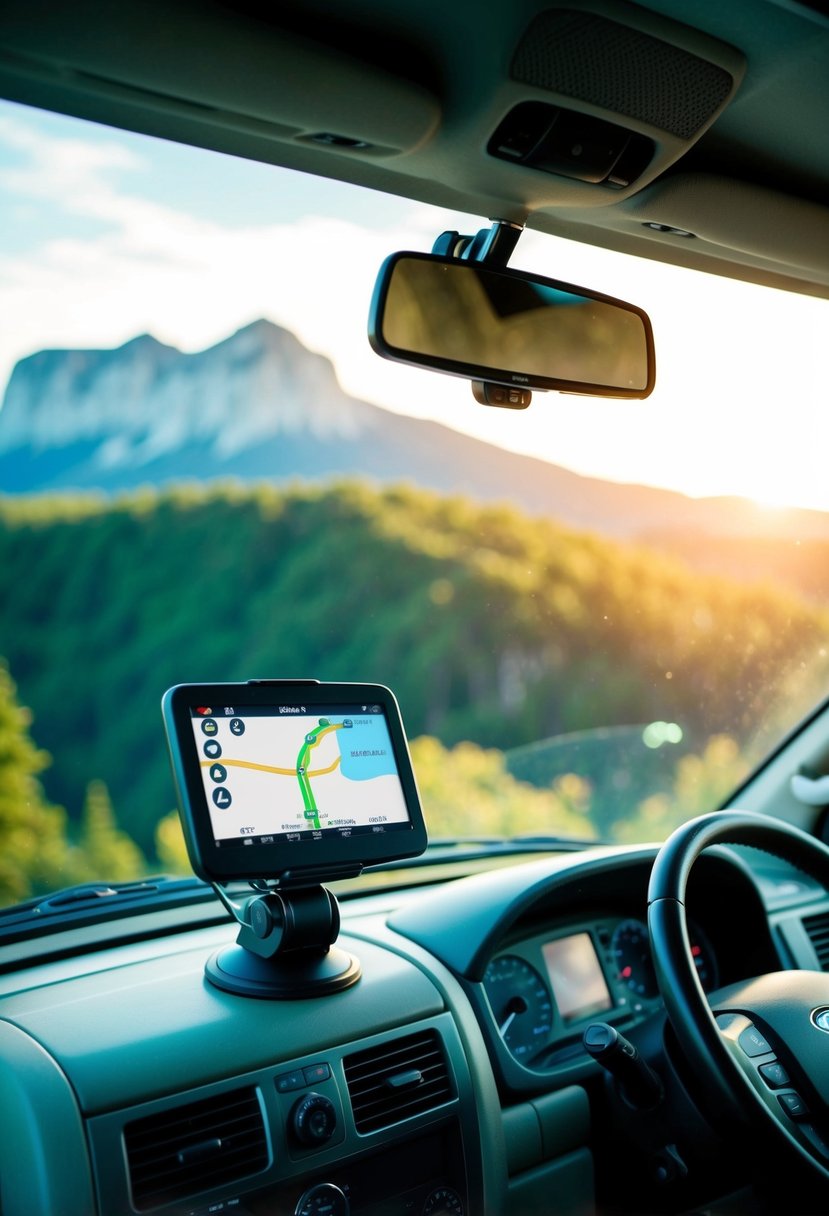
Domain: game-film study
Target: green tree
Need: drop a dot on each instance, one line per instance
(702, 782)
(170, 847)
(467, 791)
(106, 852)
(489, 625)
(34, 857)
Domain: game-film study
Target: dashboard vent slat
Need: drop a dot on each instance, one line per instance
(177, 1153)
(817, 928)
(397, 1080)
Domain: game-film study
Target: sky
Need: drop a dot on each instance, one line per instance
(105, 235)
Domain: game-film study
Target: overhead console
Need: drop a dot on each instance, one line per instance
(569, 144)
(611, 96)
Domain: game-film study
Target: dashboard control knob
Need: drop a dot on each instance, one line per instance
(325, 1199)
(313, 1120)
(444, 1201)
(260, 917)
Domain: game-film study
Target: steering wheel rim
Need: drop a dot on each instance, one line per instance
(773, 1004)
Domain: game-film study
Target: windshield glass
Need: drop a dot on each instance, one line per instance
(597, 615)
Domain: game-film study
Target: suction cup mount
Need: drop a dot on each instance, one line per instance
(284, 950)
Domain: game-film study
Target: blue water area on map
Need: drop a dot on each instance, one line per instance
(365, 748)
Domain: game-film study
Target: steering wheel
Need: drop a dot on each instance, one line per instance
(759, 1048)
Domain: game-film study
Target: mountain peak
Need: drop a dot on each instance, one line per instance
(266, 336)
(262, 326)
(131, 404)
(145, 342)
(259, 405)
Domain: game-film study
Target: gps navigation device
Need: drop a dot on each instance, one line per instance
(288, 784)
(298, 782)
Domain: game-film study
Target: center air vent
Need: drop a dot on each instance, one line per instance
(817, 928)
(396, 1080)
(180, 1152)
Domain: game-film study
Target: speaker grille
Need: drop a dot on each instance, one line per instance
(599, 61)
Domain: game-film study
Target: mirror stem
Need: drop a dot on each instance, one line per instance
(493, 245)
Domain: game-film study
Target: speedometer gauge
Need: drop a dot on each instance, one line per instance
(521, 1004)
(631, 950)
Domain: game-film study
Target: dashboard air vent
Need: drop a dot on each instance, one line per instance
(179, 1152)
(396, 1080)
(817, 927)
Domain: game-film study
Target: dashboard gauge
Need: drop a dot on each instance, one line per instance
(443, 1202)
(521, 1004)
(630, 949)
(703, 958)
(631, 952)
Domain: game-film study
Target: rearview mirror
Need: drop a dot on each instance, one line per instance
(504, 326)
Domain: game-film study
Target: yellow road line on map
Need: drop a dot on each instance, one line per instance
(269, 768)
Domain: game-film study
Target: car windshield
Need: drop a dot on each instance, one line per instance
(597, 615)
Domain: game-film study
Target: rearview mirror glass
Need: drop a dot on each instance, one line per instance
(505, 326)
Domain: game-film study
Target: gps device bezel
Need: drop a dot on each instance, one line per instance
(333, 854)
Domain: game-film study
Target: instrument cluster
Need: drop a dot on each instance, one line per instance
(544, 990)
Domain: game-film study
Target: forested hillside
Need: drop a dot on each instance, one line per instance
(490, 626)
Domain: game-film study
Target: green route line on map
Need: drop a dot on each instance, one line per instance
(311, 741)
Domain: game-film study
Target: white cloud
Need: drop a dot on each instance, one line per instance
(150, 267)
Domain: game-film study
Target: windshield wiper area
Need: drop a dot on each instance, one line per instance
(92, 903)
(472, 848)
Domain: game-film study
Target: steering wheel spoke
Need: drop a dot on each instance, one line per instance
(757, 1056)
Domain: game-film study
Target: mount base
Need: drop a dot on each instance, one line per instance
(235, 969)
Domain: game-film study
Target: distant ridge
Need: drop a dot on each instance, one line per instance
(259, 405)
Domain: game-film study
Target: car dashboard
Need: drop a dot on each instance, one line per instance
(451, 1078)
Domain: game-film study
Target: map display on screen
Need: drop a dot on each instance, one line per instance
(296, 771)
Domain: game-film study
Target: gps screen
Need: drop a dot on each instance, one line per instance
(292, 773)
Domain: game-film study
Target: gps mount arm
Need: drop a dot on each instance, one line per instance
(284, 947)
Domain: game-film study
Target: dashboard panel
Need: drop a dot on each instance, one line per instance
(451, 1079)
(185, 1100)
